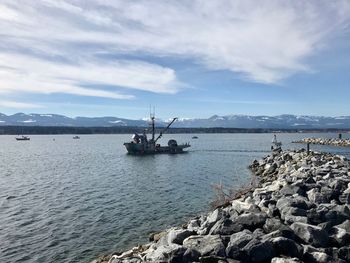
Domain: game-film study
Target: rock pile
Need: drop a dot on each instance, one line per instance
(300, 212)
(323, 141)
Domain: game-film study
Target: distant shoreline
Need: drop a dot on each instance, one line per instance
(48, 130)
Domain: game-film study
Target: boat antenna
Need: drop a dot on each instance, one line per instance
(152, 117)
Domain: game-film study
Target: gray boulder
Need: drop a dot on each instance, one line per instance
(287, 247)
(251, 221)
(339, 236)
(240, 239)
(206, 245)
(177, 236)
(259, 251)
(285, 260)
(313, 235)
(344, 253)
(169, 253)
(225, 226)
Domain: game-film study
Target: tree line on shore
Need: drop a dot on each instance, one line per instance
(14, 130)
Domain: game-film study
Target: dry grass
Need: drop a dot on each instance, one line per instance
(224, 195)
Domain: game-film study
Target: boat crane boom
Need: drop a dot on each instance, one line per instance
(164, 130)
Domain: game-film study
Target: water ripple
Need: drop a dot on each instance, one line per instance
(65, 201)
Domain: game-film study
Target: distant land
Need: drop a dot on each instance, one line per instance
(285, 121)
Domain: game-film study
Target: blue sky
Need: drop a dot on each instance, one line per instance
(187, 58)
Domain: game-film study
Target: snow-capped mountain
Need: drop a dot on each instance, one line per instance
(285, 121)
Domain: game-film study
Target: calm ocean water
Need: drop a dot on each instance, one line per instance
(68, 200)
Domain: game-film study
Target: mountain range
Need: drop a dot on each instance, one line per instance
(285, 121)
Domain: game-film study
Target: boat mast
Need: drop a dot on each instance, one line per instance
(152, 116)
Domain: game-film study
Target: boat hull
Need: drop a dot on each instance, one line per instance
(23, 139)
(144, 149)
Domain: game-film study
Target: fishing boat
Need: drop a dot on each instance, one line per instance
(76, 137)
(22, 138)
(140, 145)
(194, 137)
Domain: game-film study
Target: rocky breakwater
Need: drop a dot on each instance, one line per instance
(300, 212)
(325, 141)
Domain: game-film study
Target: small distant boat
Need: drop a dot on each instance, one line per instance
(22, 138)
(76, 137)
(194, 137)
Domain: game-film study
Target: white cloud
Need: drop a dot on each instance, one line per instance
(29, 74)
(18, 105)
(69, 44)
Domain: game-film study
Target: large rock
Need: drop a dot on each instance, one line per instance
(319, 257)
(344, 253)
(298, 202)
(177, 236)
(170, 253)
(287, 247)
(259, 251)
(251, 221)
(206, 245)
(310, 234)
(241, 206)
(225, 226)
(339, 236)
(242, 238)
(291, 190)
(315, 196)
(285, 260)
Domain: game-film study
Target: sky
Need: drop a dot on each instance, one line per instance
(190, 59)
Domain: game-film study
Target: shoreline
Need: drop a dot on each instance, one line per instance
(299, 212)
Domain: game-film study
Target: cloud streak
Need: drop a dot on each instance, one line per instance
(19, 105)
(53, 46)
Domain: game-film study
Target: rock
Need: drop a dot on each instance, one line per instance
(251, 221)
(206, 245)
(177, 236)
(290, 219)
(345, 225)
(259, 251)
(317, 257)
(225, 226)
(315, 196)
(298, 202)
(240, 239)
(291, 190)
(212, 259)
(272, 224)
(285, 260)
(156, 236)
(344, 198)
(283, 232)
(344, 253)
(258, 233)
(287, 247)
(293, 214)
(313, 235)
(213, 217)
(191, 255)
(241, 207)
(339, 237)
(169, 253)
(193, 225)
(233, 251)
